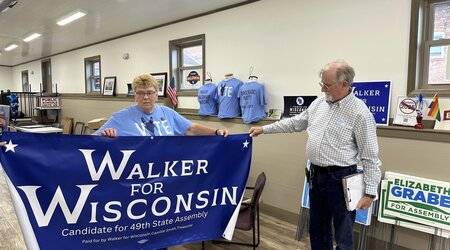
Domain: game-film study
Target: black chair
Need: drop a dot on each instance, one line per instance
(248, 218)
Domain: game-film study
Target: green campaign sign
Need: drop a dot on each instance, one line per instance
(418, 200)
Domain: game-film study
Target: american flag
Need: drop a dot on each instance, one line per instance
(172, 92)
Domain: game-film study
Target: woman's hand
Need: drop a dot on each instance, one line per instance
(110, 132)
(223, 132)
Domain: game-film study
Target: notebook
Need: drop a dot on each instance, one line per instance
(354, 188)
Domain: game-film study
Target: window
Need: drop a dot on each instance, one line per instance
(93, 75)
(437, 51)
(187, 63)
(429, 58)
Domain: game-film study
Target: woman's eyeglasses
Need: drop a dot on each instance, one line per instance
(148, 93)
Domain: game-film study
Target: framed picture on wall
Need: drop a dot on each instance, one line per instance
(161, 78)
(109, 85)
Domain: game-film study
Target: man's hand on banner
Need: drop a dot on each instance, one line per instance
(110, 132)
(255, 131)
(2, 143)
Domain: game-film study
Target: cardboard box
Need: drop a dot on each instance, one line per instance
(42, 119)
(96, 123)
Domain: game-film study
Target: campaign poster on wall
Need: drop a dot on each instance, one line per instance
(377, 96)
(294, 105)
(128, 192)
(405, 111)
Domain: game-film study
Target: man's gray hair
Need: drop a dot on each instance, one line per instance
(344, 72)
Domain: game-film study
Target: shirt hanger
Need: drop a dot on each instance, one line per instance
(251, 77)
(209, 79)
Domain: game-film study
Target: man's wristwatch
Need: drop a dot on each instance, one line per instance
(371, 196)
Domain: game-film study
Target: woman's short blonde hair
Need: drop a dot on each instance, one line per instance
(145, 81)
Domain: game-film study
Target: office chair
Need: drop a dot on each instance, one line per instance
(249, 213)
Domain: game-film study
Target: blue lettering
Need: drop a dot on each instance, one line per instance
(396, 191)
(408, 193)
(420, 196)
(445, 201)
(433, 199)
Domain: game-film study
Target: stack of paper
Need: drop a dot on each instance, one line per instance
(354, 188)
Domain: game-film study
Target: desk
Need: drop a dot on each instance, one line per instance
(39, 129)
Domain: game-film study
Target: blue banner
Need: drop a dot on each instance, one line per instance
(94, 192)
(377, 96)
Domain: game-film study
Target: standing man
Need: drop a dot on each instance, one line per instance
(341, 132)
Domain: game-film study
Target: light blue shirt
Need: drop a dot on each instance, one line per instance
(132, 121)
(228, 91)
(207, 98)
(252, 101)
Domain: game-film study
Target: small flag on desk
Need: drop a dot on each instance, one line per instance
(434, 108)
(172, 92)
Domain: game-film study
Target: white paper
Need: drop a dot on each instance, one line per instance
(354, 188)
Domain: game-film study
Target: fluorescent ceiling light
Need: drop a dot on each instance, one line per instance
(8, 5)
(11, 47)
(31, 37)
(71, 17)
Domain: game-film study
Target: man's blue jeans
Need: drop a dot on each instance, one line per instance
(327, 208)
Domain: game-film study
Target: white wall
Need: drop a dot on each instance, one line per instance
(5, 78)
(34, 76)
(286, 42)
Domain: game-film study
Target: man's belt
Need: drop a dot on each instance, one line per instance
(329, 169)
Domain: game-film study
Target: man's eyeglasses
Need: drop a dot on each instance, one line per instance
(323, 85)
(148, 93)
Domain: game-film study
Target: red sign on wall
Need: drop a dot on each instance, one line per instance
(49, 102)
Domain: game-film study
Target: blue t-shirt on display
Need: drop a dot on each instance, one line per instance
(132, 121)
(252, 100)
(207, 97)
(228, 91)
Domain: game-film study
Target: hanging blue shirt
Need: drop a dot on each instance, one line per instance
(207, 98)
(132, 121)
(252, 101)
(228, 91)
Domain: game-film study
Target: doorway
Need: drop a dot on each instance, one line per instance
(46, 66)
(25, 81)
